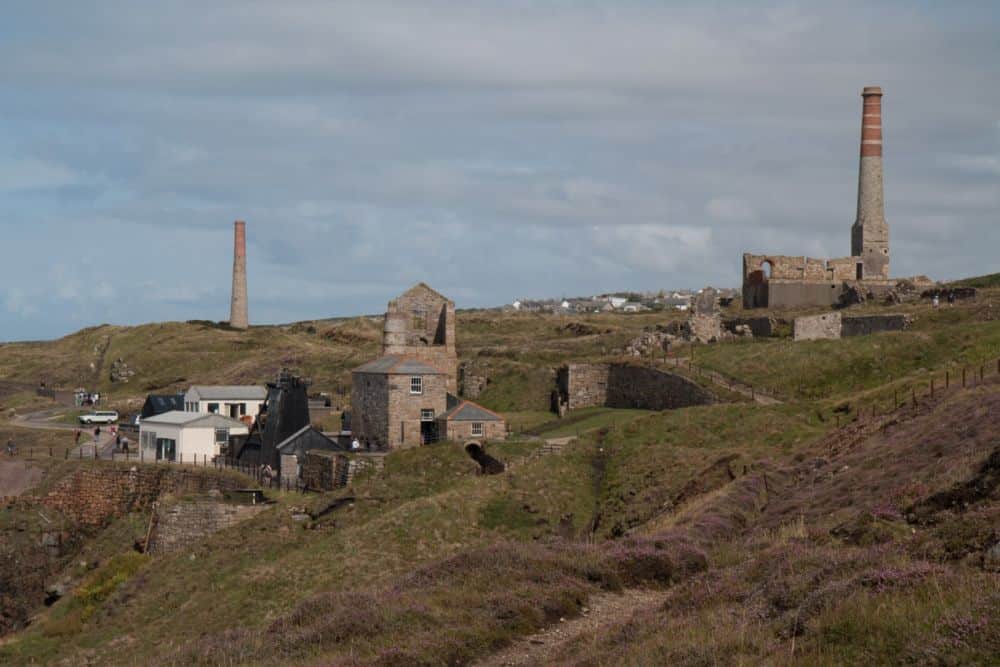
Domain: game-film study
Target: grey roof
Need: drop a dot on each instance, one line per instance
(467, 411)
(395, 364)
(181, 418)
(207, 392)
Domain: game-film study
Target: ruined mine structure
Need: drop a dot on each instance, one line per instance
(238, 316)
(624, 385)
(778, 281)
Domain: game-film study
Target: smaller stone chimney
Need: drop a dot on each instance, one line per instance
(238, 318)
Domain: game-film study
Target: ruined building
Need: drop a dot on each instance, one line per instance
(238, 318)
(784, 281)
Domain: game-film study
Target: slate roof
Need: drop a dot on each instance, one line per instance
(396, 364)
(467, 411)
(157, 404)
(181, 418)
(206, 392)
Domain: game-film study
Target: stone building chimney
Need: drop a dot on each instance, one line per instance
(870, 233)
(238, 318)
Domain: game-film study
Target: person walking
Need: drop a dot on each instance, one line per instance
(76, 437)
(11, 447)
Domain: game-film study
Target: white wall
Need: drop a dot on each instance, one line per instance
(195, 442)
(250, 408)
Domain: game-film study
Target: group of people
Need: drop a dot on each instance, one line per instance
(121, 443)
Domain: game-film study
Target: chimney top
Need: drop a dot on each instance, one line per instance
(871, 90)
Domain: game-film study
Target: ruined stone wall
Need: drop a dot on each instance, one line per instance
(628, 386)
(817, 327)
(326, 471)
(864, 325)
(184, 523)
(760, 327)
(790, 294)
(473, 378)
(94, 495)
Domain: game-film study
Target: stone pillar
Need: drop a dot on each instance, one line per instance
(238, 318)
(870, 233)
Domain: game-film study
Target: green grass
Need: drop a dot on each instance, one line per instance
(980, 282)
(838, 368)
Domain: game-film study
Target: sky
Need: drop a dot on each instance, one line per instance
(493, 149)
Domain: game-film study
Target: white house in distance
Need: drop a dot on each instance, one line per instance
(186, 437)
(233, 401)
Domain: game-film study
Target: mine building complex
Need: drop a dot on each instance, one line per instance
(783, 281)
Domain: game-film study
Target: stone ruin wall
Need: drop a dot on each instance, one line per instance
(627, 386)
(94, 495)
(181, 524)
(817, 327)
(326, 471)
(865, 325)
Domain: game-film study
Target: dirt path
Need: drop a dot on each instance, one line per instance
(728, 383)
(605, 609)
(16, 477)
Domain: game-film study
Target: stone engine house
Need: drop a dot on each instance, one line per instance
(779, 281)
(420, 323)
(406, 397)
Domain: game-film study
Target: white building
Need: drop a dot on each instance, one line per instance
(186, 437)
(233, 401)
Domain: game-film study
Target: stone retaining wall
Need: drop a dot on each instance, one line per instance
(627, 386)
(93, 495)
(186, 522)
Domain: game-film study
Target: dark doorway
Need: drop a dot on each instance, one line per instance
(860, 271)
(428, 432)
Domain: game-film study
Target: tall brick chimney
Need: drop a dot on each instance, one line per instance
(870, 233)
(238, 318)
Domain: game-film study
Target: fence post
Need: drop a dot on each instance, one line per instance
(142, 455)
(932, 387)
(913, 391)
(947, 379)
(95, 451)
(981, 372)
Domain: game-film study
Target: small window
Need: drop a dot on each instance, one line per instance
(477, 428)
(221, 436)
(426, 415)
(243, 409)
(416, 385)
(213, 408)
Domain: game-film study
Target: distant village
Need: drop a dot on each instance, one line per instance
(618, 302)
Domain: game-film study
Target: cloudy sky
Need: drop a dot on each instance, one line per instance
(493, 149)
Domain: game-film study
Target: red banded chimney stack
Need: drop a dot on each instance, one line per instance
(238, 318)
(870, 233)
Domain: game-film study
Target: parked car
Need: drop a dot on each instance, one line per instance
(99, 417)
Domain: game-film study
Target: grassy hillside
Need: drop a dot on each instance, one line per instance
(764, 533)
